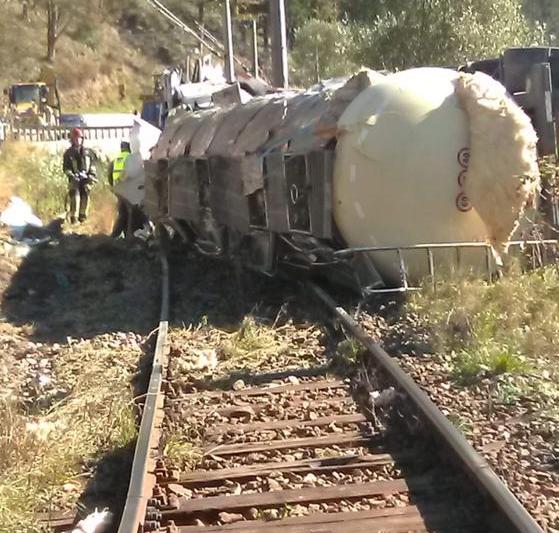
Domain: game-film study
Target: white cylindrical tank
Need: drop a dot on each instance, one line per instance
(402, 155)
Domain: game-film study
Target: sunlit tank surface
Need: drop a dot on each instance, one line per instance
(401, 173)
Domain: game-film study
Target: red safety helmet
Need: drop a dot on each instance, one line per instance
(76, 134)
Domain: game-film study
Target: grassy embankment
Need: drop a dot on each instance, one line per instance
(37, 177)
(508, 329)
(46, 455)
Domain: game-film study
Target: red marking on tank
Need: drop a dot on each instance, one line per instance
(462, 178)
(463, 203)
(464, 157)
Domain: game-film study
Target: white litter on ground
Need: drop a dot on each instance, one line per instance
(17, 216)
(95, 522)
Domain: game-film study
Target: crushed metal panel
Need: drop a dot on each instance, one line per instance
(303, 111)
(180, 143)
(206, 132)
(156, 188)
(227, 199)
(229, 95)
(320, 169)
(257, 132)
(203, 179)
(161, 149)
(252, 174)
(232, 125)
(305, 136)
(184, 201)
(276, 193)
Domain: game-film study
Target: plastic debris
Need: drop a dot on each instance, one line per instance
(95, 522)
(17, 216)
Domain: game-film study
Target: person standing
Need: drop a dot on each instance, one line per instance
(79, 168)
(116, 168)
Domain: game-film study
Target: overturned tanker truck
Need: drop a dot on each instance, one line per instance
(353, 177)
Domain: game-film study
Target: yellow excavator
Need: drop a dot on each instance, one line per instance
(34, 103)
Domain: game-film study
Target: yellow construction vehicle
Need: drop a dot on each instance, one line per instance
(34, 103)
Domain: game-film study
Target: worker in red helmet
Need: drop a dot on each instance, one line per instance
(79, 168)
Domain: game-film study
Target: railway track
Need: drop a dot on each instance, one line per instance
(291, 450)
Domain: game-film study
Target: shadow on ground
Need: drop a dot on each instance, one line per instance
(84, 286)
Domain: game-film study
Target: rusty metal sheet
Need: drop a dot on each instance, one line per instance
(232, 125)
(206, 132)
(184, 201)
(227, 199)
(180, 143)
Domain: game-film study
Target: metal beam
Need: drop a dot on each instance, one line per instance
(279, 44)
(229, 65)
(254, 49)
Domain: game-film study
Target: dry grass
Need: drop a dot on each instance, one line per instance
(254, 347)
(508, 327)
(45, 459)
(37, 177)
(89, 71)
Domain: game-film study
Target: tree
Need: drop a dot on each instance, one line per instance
(545, 13)
(323, 50)
(398, 34)
(60, 14)
(444, 32)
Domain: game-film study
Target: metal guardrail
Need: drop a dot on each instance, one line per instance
(61, 133)
(537, 254)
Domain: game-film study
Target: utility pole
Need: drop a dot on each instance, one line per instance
(279, 44)
(254, 49)
(229, 65)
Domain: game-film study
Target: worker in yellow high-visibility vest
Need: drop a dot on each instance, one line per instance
(116, 168)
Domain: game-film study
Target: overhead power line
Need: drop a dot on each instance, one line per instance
(169, 15)
(160, 8)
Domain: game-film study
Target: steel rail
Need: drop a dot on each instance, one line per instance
(476, 465)
(142, 478)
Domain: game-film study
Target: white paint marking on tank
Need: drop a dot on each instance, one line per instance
(359, 210)
(352, 173)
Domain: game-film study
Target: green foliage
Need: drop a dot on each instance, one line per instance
(488, 358)
(87, 33)
(396, 34)
(545, 13)
(323, 50)
(506, 327)
(444, 32)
